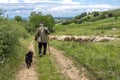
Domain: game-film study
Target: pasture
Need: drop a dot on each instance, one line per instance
(101, 59)
(109, 26)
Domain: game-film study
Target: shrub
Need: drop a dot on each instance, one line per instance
(10, 33)
(9, 37)
(95, 13)
(18, 18)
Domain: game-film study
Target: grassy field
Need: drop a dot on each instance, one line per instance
(101, 27)
(102, 60)
(9, 68)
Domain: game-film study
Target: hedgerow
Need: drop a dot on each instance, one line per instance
(11, 33)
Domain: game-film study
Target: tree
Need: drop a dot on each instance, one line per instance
(110, 14)
(95, 13)
(36, 18)
(1, 12)
(88, 17)
(104, 15)
(81, 15)
(18, 18)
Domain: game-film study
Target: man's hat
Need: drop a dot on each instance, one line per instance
(41, 24)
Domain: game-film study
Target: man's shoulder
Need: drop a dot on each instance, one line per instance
(46, 28)
(39, 28)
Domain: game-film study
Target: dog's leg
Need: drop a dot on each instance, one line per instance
(27, 65)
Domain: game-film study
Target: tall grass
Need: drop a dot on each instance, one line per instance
(102, 60)
(101, 27)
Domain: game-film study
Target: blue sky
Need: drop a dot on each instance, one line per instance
(57, 8)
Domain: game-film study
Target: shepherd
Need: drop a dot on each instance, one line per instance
(41, 37)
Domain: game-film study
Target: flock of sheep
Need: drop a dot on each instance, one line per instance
(84, 38)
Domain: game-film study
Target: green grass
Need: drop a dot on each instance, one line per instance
(10, 67)
(101, 27)
(47, 70)
(102, 60)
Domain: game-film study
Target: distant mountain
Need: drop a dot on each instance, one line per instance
(63, 17)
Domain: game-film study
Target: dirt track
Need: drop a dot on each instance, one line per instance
(66, 66)
(28, 74)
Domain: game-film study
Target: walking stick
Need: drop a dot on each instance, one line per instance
(35, 46)
(48, 47)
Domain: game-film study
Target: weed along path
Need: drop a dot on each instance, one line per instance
(66, 66)
(28, 74)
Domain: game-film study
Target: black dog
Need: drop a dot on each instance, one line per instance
(28, 58)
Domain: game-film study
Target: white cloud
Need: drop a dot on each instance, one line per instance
(41, 1)
(17, 11)
(13, 1)
(4, 1)
(32, 1)
(25, 1)
(70, 9)
(68, 2)
(100, 6)
(53, 7)
(9, 1)
(79, 7)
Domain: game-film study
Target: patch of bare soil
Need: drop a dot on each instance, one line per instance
(28, 74)
(66, 66)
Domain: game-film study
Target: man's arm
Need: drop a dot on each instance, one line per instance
(47, 30)
(36, 34)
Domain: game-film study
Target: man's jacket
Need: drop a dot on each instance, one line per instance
(42, 32)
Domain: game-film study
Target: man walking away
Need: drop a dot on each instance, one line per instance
(41, 37)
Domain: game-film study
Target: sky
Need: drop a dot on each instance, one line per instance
(57, 8)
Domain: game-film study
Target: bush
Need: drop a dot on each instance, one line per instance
(1, 47)
(11, 47)
(110, 14)
(66, 22)
(9, 37)
(10, 33)
(95, 13)
(18, 18)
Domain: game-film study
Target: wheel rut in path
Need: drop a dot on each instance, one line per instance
(28, 74)
(66, 65)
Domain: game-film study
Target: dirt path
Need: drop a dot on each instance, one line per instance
(66, 66)
(28, 74)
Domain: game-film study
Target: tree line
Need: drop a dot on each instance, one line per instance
(35, 18)
(93, 16)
